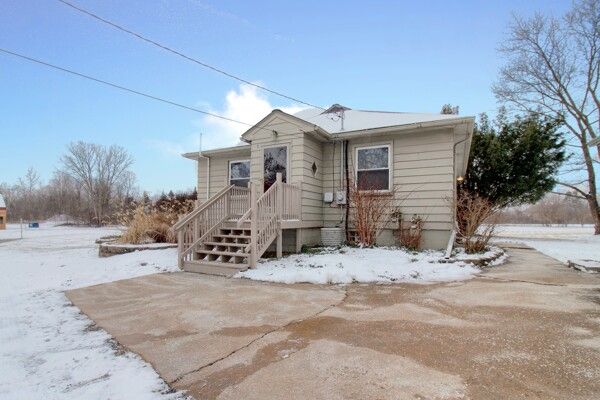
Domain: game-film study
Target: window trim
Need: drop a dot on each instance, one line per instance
(287, 160)
(229, 170)
(389, 167)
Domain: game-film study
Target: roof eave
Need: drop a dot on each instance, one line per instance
(404, 127)
(207, 153)
(309, 127)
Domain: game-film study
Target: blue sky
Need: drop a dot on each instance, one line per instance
(396, 56)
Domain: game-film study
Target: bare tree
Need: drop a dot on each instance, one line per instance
(27, 187)
(449, 109)
(553, 68)
(100, 171)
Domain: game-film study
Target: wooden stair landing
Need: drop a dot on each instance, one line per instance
(224, 255)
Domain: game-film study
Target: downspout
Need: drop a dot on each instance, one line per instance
(454, 232)
(347, 189)
(341, 211)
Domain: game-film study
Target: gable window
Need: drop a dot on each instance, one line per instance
(373, 168)
(239, 173)
(275, 160)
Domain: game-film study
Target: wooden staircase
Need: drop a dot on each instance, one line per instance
(226, 254)
(230, 231)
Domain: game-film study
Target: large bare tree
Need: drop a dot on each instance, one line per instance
(552, 66)
(101, 171)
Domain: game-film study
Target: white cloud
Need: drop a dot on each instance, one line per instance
(245, 104)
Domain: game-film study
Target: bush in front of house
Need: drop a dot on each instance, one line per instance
(149, 222)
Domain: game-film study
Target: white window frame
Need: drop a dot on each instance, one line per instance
(229, 170)
(287, 159)
(389, 167)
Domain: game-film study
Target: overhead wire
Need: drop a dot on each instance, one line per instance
(182, 55)
(132, 91)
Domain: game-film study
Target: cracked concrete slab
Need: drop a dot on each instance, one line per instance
(528, 329)
(179, 322)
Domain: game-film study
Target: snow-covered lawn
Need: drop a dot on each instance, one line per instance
(47, 350)
(349, 264)
(574, 243)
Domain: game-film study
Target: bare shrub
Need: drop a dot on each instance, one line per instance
(371, 212)
(148, 223)
(476, 225)
(409, 232)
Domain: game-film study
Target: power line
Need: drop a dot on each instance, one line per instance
(123, 88)
(178, 53)
(137, 92)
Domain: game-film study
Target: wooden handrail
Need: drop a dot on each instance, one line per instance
(282, 201)
(188, 217)
(248, 213)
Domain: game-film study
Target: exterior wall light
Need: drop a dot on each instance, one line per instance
(460, 179)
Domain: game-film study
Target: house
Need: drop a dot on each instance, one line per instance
(299, 167)
(2, 213)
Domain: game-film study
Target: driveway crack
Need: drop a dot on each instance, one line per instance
(520, 281)
(256, 339)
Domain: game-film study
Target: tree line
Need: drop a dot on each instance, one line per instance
(93, 185)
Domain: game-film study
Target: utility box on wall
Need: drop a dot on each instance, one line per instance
(340, 197)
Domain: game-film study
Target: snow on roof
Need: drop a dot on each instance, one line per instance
(2, 203)
(356, 120)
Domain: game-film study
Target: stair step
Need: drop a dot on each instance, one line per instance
(225, 244)
(234, 225)
(214, 268)
(222, 253)
(222, 235)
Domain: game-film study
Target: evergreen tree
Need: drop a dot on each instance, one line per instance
(515, 162)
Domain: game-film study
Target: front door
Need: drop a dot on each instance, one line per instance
(274, 160)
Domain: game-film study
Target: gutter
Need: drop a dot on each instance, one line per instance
(386, 129)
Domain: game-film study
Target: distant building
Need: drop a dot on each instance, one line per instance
(2, 213)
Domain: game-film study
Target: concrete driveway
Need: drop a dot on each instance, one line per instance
(528, 329)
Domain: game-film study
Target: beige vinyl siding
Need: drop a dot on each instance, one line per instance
(422, 174)
(312, 184)
(219, 172)
(421, 170)
(287, 135)
(302, 151)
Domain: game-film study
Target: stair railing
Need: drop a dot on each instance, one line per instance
(200, 224)
(282, 201)
(265, 219)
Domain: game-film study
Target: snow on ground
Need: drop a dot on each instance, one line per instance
(46, 348)
(349, 264)
(574, 243)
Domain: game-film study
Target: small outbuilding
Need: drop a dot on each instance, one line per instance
(2, 213)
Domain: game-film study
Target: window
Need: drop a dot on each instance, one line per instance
(239, 173)
(373, 168)
(275, 160)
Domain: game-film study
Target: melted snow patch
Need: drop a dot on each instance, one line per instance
(348, 265)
